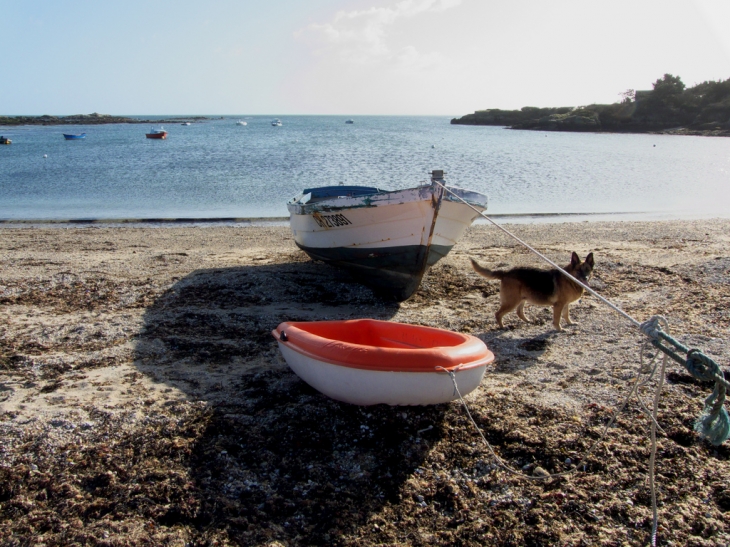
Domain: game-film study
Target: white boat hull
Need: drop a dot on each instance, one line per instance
(388, 239)
(401, 219)
(369, 387)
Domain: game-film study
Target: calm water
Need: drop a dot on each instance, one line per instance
(219, 169)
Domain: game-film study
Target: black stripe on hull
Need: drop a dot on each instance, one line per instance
(437, 252)
(392, 272)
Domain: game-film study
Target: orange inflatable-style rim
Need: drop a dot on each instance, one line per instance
(383, 345)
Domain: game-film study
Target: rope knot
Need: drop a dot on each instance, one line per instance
(652, 327)
(701, 366)
(714, 423)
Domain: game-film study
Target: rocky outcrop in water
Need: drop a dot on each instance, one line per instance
(75, 119)
(84, 119)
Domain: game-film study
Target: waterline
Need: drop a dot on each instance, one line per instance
(529, 218)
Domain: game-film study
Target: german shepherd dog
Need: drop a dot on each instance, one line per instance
(539, 287)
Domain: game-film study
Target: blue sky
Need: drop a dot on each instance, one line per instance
(442, 57)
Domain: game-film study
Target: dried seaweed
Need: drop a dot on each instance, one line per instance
(212, 440)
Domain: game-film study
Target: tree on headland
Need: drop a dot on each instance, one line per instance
(665, 102)
(629, 96)
(670, 105)
(668, 86)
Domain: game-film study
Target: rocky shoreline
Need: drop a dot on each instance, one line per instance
(86, 119)
(584, 122)
(670, 108)
(143, 399)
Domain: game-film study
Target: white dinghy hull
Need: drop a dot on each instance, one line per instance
(369, 362)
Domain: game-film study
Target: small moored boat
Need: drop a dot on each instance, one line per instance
(369, 362)
(157, 133)
(241, 122)
(276, 122)
(5, 140)
(185, 123)
(74, 137)
(349, 121)
(388, 239)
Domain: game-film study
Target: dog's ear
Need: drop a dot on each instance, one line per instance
(575, 260)
(589, 260)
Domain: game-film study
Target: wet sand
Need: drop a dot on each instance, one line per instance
(144, 401)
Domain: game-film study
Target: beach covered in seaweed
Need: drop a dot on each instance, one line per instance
(143, 400)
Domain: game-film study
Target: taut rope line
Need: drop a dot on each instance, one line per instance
(714, 423)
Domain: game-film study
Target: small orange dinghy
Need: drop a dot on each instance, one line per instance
(368, 362)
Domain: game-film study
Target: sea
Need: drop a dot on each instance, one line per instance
(215, 169)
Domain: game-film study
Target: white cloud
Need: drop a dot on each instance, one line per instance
(362, 36)
(410, 60)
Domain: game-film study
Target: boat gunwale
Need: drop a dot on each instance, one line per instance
(385, 359)
(381, 198)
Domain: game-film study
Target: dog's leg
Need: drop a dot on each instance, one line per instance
(503, 310)
(521, 312)
(557, 311)
(566, 315)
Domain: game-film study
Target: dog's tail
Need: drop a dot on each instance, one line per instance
(486, 272)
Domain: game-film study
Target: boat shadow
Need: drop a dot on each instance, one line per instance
(271, 457)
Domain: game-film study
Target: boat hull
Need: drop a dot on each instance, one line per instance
(393, 272)
(156, 135)
(367, 362)
(74, 137)
(388, 240)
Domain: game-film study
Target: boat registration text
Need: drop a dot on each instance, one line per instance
(331, 221)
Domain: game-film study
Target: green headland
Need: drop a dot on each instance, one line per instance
(670, 107)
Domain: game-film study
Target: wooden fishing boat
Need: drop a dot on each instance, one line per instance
(156, 133)
(387, 239)
(74, 137)
(368, 362)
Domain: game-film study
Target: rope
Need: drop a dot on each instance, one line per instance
(714, 422)
(546, 259)
(652, 457)
(500, 462)
(546, 476)
(618, 411)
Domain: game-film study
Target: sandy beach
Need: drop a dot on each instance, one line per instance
(143, 400)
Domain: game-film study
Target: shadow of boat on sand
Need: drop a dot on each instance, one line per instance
(269, 457)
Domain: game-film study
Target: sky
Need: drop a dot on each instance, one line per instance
(349, 57)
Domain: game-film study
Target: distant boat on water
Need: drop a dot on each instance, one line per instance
(241, 122)
(349, 121)
(276, 122)
(185, 123)
(157, 133)
(5, 140)
(74, 137)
